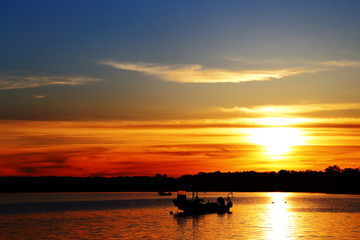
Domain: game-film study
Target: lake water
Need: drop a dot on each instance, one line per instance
(146, 216)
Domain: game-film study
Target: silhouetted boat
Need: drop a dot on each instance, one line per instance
(198, 205)
(164, 193)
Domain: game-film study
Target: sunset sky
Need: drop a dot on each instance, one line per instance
(139, 87)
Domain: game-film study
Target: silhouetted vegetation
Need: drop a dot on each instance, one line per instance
(332, 180)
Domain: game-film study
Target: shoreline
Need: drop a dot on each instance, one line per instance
(282, 181)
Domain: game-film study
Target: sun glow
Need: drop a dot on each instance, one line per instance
(276, 141)
(279, 121)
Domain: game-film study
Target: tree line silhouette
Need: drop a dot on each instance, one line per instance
(332, 180)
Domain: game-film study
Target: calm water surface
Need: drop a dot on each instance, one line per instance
(146, 216)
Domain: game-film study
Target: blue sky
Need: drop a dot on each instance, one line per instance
(63, 54)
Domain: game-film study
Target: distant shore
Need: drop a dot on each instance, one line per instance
(332, 180)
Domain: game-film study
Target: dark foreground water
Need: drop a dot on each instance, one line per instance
(146, 216)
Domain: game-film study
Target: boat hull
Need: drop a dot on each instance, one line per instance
(193, 207)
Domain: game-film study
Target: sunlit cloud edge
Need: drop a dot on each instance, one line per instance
(195, 73)
(291, 109)
(188, 124)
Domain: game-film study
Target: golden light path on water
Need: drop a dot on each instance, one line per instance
(278, 217)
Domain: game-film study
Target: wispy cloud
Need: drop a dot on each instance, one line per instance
(340, 63)
(187, 73)
(38, 96)
(326, 65)
(284, 110)
(17, 82)
(254, 61)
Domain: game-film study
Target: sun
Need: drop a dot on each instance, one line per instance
(277, 142)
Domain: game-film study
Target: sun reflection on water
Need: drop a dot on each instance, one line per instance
(279, 221)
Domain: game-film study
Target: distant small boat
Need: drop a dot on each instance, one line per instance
(198, 205)
(164, 193)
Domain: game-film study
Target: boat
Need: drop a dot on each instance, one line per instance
(164, 193)
(197, 205)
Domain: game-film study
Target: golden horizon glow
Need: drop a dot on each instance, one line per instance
(119, 148)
